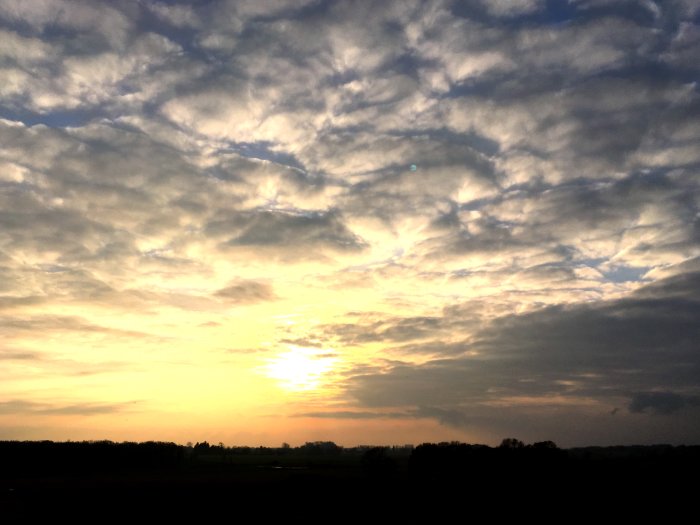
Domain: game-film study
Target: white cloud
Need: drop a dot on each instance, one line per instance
(179, 15)
(512, 7)
(100, 19)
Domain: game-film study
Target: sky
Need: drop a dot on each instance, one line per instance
(256, 222)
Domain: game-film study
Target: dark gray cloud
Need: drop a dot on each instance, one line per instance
(388, 329)
(268, 228)
(596, 354)
(276, 228)
(661, 402)
(347, 414)
(454, 418)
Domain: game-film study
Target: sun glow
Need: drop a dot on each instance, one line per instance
(300, 369)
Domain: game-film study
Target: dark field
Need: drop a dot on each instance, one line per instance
(101, 480)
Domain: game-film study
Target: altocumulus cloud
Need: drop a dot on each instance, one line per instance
(537, 269)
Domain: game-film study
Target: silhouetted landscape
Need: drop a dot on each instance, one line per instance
(354, 221)
(97, 477)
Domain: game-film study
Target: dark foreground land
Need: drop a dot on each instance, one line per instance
(100, 481)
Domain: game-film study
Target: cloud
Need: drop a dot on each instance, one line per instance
(347, 414)
(13, 302)
(293, 228)
(590, 355)
(84, 18)
(453, 418)
(661, 402)
(386, 329)
(18, 356)
(246, 351)
(178, 15)
(247, 292)
(49, 409)
(63, 323)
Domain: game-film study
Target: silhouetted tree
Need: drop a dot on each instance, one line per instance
(321, 447)
(511, 444)
(545, 445)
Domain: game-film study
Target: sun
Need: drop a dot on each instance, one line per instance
(300, 369)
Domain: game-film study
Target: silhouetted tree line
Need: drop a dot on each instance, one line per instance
(86, 456)
(454, 460)
(458, 479)
(431, 461)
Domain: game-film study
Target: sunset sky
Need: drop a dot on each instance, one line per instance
(266, 221)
